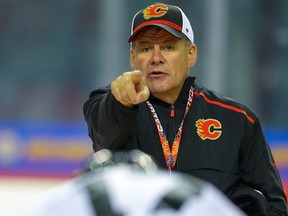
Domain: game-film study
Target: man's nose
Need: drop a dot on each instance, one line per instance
(157, 57)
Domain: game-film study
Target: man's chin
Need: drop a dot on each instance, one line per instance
(157, 90)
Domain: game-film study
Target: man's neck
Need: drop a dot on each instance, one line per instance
(169, 97)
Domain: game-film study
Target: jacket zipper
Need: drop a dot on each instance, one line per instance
(172, 111)
(172, 115)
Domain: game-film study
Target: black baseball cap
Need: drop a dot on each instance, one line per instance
(169, 17)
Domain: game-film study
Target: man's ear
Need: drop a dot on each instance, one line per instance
(192, 55)
(132, 59)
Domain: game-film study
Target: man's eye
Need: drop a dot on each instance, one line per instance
(168, 48)
(146, 49)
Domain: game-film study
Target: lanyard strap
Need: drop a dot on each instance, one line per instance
(170, 155)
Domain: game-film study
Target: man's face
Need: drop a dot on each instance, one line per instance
(163, 59)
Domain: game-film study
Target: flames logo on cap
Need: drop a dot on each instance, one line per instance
(208, 129)
(156, 10)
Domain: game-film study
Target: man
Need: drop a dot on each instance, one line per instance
(158, 108)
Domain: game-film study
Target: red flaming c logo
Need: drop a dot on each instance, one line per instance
(156, 10)
(208, 129)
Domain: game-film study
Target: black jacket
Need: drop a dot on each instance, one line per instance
(238, 154)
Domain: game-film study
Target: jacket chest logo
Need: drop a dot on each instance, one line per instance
(208, 129)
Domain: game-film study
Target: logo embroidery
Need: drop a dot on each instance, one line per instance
(208, 129)
(156, 10)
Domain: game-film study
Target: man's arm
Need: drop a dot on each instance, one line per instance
(110, 111)
(259, 171)
(109, 122)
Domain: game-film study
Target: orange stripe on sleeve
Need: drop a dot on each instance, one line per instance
(226, 106)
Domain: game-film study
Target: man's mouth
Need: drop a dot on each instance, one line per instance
(156, 74)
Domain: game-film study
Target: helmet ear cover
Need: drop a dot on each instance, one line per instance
(250, 200)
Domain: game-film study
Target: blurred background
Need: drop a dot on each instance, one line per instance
(53, 53)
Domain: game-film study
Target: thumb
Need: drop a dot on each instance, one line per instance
(137, 77)
(143, 95)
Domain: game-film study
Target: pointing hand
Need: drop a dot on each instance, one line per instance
(130, 88)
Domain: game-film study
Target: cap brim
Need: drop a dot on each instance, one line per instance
(169, 29)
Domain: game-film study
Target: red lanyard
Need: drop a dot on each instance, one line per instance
(170, 155)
